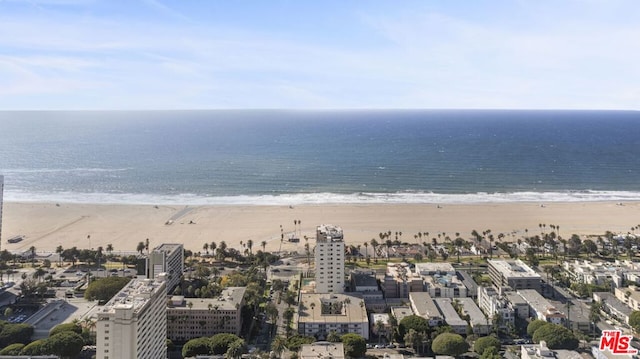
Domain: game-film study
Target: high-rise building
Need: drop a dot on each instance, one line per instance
(1, 203)
(133, 324)
(329, 257)
(167, 258)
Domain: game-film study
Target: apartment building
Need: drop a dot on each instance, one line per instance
(320, 314)
(514, 274)
(189, 318)
(329, 259)
(167, 258)
(133, 324)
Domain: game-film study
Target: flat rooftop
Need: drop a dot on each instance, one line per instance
(326, 232)
(227, 300)
(133, 296)
(424, 304)
(431, 268)
(352, 308)
(450, 315)
(167, 247)
(322, 350)
(513, 269)
(476, 317)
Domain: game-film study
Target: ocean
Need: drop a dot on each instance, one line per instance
(279, 157)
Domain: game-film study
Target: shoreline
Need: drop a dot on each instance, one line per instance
(46, 225)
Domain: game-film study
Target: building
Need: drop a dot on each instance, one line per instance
(467, 280)
(629, 296)
(492, 302)
(399, 281)
(167, 258)
(363, 282)
(401, 312)
(320, 314)
(541, 351)
(515, 274)
(380, 324)
(541, 308)
(613, 306)
(451, 316)
(197, 317)
(519, 304)
(1, 203)
(322, 350)
(133, 324)
(440, 280)
(596, 273)
(480, 324)
(329, 259)
(422, 305)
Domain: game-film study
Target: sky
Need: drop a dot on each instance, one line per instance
(330, 54)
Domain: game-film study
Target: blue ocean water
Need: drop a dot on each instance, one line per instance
(293, 157)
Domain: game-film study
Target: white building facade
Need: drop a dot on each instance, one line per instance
(329, 259)
(167, 258)
(133, 324)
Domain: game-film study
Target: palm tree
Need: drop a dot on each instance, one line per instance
(374, 245)
(250, 245)
(278, 345)
(264, 245)
(140, 247)
(109, 248)
(146, 245)
(32, 249)
(212, 247)
(59, 251)
(366, 249)
(205, 248)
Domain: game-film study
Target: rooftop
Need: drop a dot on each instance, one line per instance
(400, 312)
(475, 314)
(227, 300)
(424, 305)
(347, 308)
(432, 268)
(167, 247)
(539, 303)
(512, 269)
(329, 232)
(133, 296)
(322, 350)
(450, 315)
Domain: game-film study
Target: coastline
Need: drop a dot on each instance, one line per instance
(48, 225)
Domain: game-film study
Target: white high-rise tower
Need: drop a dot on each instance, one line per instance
(329, 256)
(1, 203)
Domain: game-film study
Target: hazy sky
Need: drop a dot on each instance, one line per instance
(183, 54)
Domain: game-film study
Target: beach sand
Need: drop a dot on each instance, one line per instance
(47, 225)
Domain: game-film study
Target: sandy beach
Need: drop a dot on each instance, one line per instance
(47, 225)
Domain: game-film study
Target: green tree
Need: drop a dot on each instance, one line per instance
(295, 342)
(354, 345)
(38, 347)
(12, 349)
(556, 336)
(634, 320)
(65, 344)
(220, 342)
(333, 337)
(103, 289)
(65, 327)
(417, 323)
(491, 353)
(449, 344)
(236, 349)
(535, 325)
(278, 345)
(15, 333)
(197, 346)
(485, 343)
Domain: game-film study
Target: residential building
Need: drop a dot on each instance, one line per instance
(518, 303)
(167, 258)
(401, 312)
(467, 281)
(541, 308)
(399, 281)
(422, 305)
(322, 350)
(451, 316)
(204, 317)
(380, 324)
(1, 203)
(596, 273)
(629, 296)
(363, 282)
(541, 351)
(513, 273)
(329, 259)
(613, 306)
(133, 324)
(480, 324)
(493, 303)
(321, 313)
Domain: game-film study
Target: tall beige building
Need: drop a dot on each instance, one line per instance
(133, 324)
(329, 259)
(167, 258)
